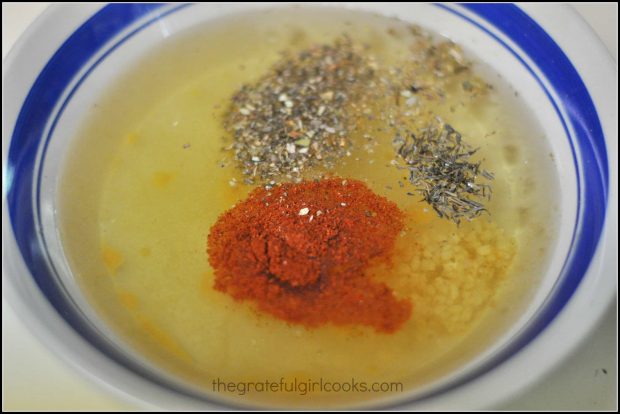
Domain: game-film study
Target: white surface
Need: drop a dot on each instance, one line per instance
(35, 379)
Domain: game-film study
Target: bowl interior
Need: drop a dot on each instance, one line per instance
(138, 35)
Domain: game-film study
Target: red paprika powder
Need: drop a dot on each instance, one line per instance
(299, 252)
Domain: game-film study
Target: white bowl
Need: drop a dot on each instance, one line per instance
(71, 54)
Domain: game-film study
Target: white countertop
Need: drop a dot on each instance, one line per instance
(36, 379)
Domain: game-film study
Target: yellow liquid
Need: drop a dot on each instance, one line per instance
(147, 182)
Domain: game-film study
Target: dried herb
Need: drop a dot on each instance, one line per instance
(295, 117)
(433, 66)
(438, 161)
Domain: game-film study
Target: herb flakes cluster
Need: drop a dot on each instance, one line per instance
(439, 166)
(295, 117)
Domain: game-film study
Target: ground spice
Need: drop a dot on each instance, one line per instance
(295, 117)
(300, 251)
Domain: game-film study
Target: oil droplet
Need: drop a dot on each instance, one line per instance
(161, 179)
(112, 258)
(129, 300)
(162, 338)
(132, 138)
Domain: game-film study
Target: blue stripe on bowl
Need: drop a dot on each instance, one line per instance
(95, 35)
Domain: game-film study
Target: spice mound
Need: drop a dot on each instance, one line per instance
(296, 116)
(300, 250)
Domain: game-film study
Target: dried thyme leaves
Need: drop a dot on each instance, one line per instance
(433, 152)
(438, 163)
(295, 117)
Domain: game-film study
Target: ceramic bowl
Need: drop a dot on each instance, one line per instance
(71, 53)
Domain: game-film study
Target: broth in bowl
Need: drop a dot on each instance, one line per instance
(221, 117)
